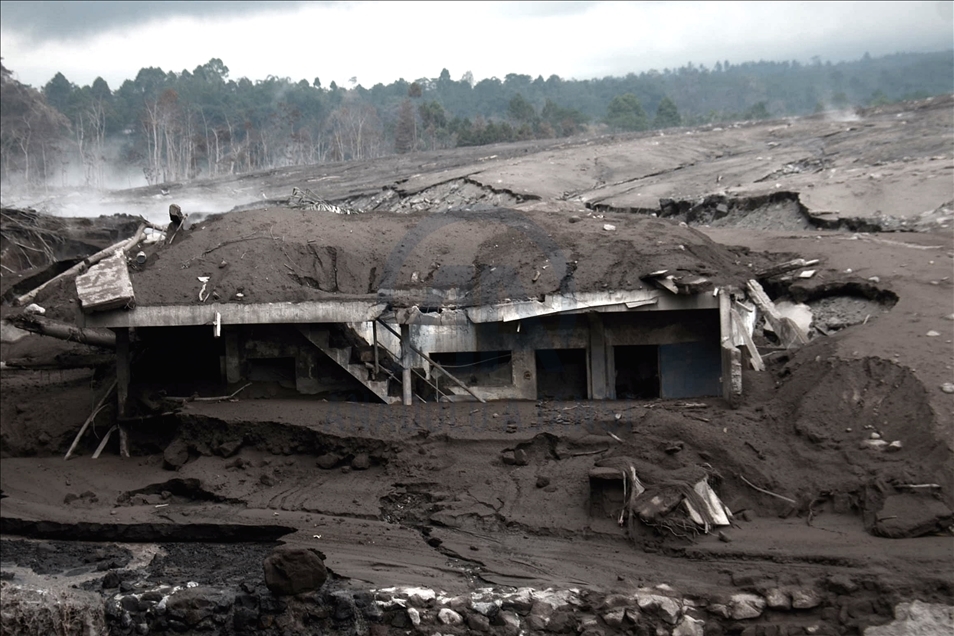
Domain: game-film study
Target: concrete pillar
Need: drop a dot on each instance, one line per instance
(122, 369)
(524, 363)
(233, 363)
(731, 357)
(597, 357)
(406, 362)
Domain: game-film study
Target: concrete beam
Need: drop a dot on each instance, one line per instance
(610, 301)
(333, 311)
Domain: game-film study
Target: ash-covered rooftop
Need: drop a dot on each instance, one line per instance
(460, 258)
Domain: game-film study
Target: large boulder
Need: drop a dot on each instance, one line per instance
(291, 570)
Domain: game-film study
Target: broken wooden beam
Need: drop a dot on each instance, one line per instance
(54, 329)
(102, 444)
(99, 407)
(785, 267)
(789, 333)
(754, 356)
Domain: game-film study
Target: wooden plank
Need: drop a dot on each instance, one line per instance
(754, 356)
(106, 285)
(102, 444)
(788, 332)
(99, 407)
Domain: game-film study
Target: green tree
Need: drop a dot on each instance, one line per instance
(520, 110)
(626, 113)
(667, 115)
(758, 111)
(406, 131)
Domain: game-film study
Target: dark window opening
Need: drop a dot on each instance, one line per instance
(180, 361)
(637, 372)
(561, 374)
(478, 368)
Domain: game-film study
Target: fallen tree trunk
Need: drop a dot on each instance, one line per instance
(785, 267)
(79, 268)
(63, 362)
(46, 327)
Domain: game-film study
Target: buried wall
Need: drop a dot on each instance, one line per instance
(596, 355)
(277, 359)
(634, 354)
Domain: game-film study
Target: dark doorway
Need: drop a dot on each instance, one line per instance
(690, 369)
(637, 372)
(561, 374)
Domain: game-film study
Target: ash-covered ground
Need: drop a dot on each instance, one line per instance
(487, 509)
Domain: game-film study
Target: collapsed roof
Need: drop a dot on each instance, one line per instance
(457, 258)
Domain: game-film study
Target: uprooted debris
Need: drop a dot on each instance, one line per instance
(683, 507)
(305, 199)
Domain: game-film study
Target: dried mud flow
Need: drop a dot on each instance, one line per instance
(481, 518)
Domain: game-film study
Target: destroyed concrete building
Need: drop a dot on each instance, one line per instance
(467, 305)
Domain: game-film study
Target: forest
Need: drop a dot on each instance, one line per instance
(167, 126)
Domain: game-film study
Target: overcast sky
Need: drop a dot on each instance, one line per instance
(381, 42)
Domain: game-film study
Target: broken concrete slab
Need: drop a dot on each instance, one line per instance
(106, 285)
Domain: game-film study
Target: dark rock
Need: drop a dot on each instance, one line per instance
(911, 515)
(130, 603)
(266, 480)
(520, 457)
(228, 448)
(344, 606)
(543, 482)
(361, 461)
(561, 623)
(111, 580)
(328, 461)
(127, 587)
(70, 498)
(192, 605)
(290, 570)
(399, 619)
(176, 454)
(478, 623)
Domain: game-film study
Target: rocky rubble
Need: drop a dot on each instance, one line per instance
(755, 605)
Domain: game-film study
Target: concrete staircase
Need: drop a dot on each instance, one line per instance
(342, 356)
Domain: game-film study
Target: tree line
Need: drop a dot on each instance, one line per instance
(202, 123)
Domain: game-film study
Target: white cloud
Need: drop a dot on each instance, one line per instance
(380, 42)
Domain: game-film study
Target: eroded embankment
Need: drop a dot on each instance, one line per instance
(779, 210)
